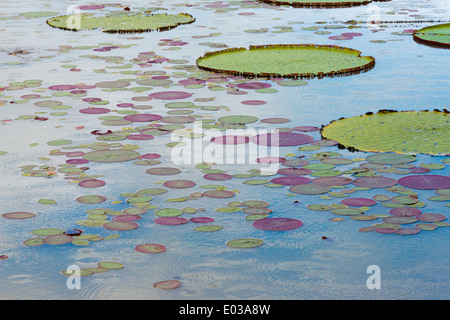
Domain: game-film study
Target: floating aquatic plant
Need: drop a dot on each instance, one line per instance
(287, 61)
(436, 35)
(121, 23)
(405, 132)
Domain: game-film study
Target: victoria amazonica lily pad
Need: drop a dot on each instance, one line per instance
(287, 60)
(319, 3)
(404, 132)
(437, 35)
(121, 23)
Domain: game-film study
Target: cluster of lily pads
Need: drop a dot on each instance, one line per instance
(309, 171)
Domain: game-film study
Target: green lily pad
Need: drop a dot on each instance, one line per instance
(121, 23)
(403, 132)
(291, 61)
(245, 243)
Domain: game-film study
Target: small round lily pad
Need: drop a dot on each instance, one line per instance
(245, 243)
(150, 248)
(277, 224)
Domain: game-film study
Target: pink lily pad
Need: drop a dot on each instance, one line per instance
(219, 194)
(425, 182)
(254, 85)
(77, 161)
(230, 139)
(92, 183)
(62, 87)
(332, 181)
(277, 224)
(430, 217)
(407, 231)
(95, 110)
(253, 102)
(170, 221)
(358, 202)
(167, 284)
(291, 181)
(18, 215)
(405, 212)
(374, 182)
(305, 128)
(140, 137)
(282, 139)
(385, 230)
(126, 218)
(170, 95)
(201, 220)
(58, 239)
(142, 117)
(217, 176)
(270, 160)
(150, 248)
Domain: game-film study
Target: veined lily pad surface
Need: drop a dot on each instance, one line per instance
(123, 22)
(438, 35)
(291, 61)
(405, 132)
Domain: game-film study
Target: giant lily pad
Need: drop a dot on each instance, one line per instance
(405, 132)
(291, 61)
(121, 23)
(436, 35)
(319, 3)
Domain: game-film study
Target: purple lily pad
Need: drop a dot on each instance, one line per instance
(407, 231)
(430, 217)
(277, 224)
(121, 225)
(170, 221)
(95, 110)
(282, 139)
(306, 128)
(253, 102)
(374, 182)
(425, 182)
(254, 85)
(140, 137)
(92, 183)
(291, 181)
(142, 117)
(405, 212)
(230, 139)
(201, 220)
(217, 176)
(270, 160)
(62, 87)
(358, 202)
(332, 181)
(170, 95)
(219, 194)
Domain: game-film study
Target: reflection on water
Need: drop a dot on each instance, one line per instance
(296, 264)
